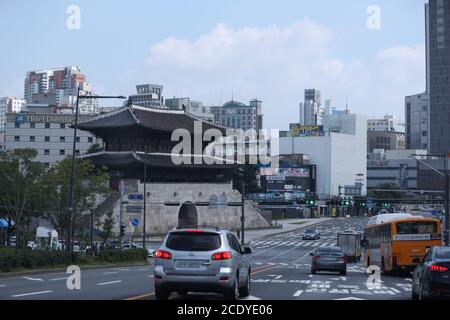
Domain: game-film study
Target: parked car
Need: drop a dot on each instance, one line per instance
(202, 260)
(151, 253)
(32, 245)
(311, 234)
(328, 259)
(431, 278)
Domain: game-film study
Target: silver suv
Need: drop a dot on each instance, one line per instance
(202, 260)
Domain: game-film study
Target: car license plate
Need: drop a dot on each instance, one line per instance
(188, 265)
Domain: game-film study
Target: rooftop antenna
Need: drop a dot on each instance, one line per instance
(346, 104)
(232, 94)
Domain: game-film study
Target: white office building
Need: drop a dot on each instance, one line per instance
(339, 154)
(47, 132)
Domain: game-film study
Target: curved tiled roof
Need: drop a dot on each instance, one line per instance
(152, 118)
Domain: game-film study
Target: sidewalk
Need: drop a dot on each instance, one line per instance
(287, 226)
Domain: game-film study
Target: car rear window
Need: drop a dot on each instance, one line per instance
(443, 254)
(183, 241)
(329, 250)
(310, 231)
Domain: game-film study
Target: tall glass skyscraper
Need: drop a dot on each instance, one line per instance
(438, 74)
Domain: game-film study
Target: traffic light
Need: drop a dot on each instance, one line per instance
(310, 202)
(345, 202)
(385, 205)
(122, 230)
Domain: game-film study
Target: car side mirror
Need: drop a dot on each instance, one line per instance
(247, 250)
(311, 253)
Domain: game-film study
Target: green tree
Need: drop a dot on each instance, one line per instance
(107, 226)
(20, 178)
(95, 148)
(89, 183)
(391, 192)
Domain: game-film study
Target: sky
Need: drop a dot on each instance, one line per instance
(209, 49)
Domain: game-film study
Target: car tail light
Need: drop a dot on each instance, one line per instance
(225, 255)
(223, 279)
(161, 254)
(437, 268)
(194, 231)
(317, 258)
(343, 258)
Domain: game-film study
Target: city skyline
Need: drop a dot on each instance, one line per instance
(216, 56)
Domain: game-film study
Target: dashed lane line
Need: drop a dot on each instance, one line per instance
(107, 283)
(30, 294)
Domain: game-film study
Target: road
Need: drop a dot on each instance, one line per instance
(280, 271)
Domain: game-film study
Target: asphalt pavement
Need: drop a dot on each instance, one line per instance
(280, 271)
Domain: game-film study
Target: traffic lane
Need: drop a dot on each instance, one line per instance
(296, 283)
(210, 296)
(95, 284)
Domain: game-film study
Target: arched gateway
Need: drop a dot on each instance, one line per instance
(188, 216)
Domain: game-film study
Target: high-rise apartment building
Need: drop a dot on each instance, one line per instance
(61, 84)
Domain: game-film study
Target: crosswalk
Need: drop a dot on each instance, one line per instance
(297, 243)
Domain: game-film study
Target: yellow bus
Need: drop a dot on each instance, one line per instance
(396, 242)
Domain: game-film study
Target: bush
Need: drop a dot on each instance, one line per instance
(41, 258)
(131, 255)
(34, 259)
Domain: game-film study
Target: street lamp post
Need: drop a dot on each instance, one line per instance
(446, 177)
(72, 202)
(144, 222)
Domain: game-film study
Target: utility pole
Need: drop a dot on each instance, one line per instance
(92, 232)
(243, 211)
(121, 186)
(145, 199)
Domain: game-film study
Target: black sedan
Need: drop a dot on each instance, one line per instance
(431, 278)
(311, 234)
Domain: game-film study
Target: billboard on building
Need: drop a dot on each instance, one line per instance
(307, 131)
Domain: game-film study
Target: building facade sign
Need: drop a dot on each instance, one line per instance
(307, 131)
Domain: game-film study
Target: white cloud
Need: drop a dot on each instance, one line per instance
(276, 64)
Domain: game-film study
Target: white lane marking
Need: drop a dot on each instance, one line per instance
(250, 298)
(57, 279)
(284, 252)
(110, 282)
(298, 293)
(2, 285)
(30, 294)
(33, 279)
(122, 269)
(111, 272)
(151, 276)
(143, 269)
